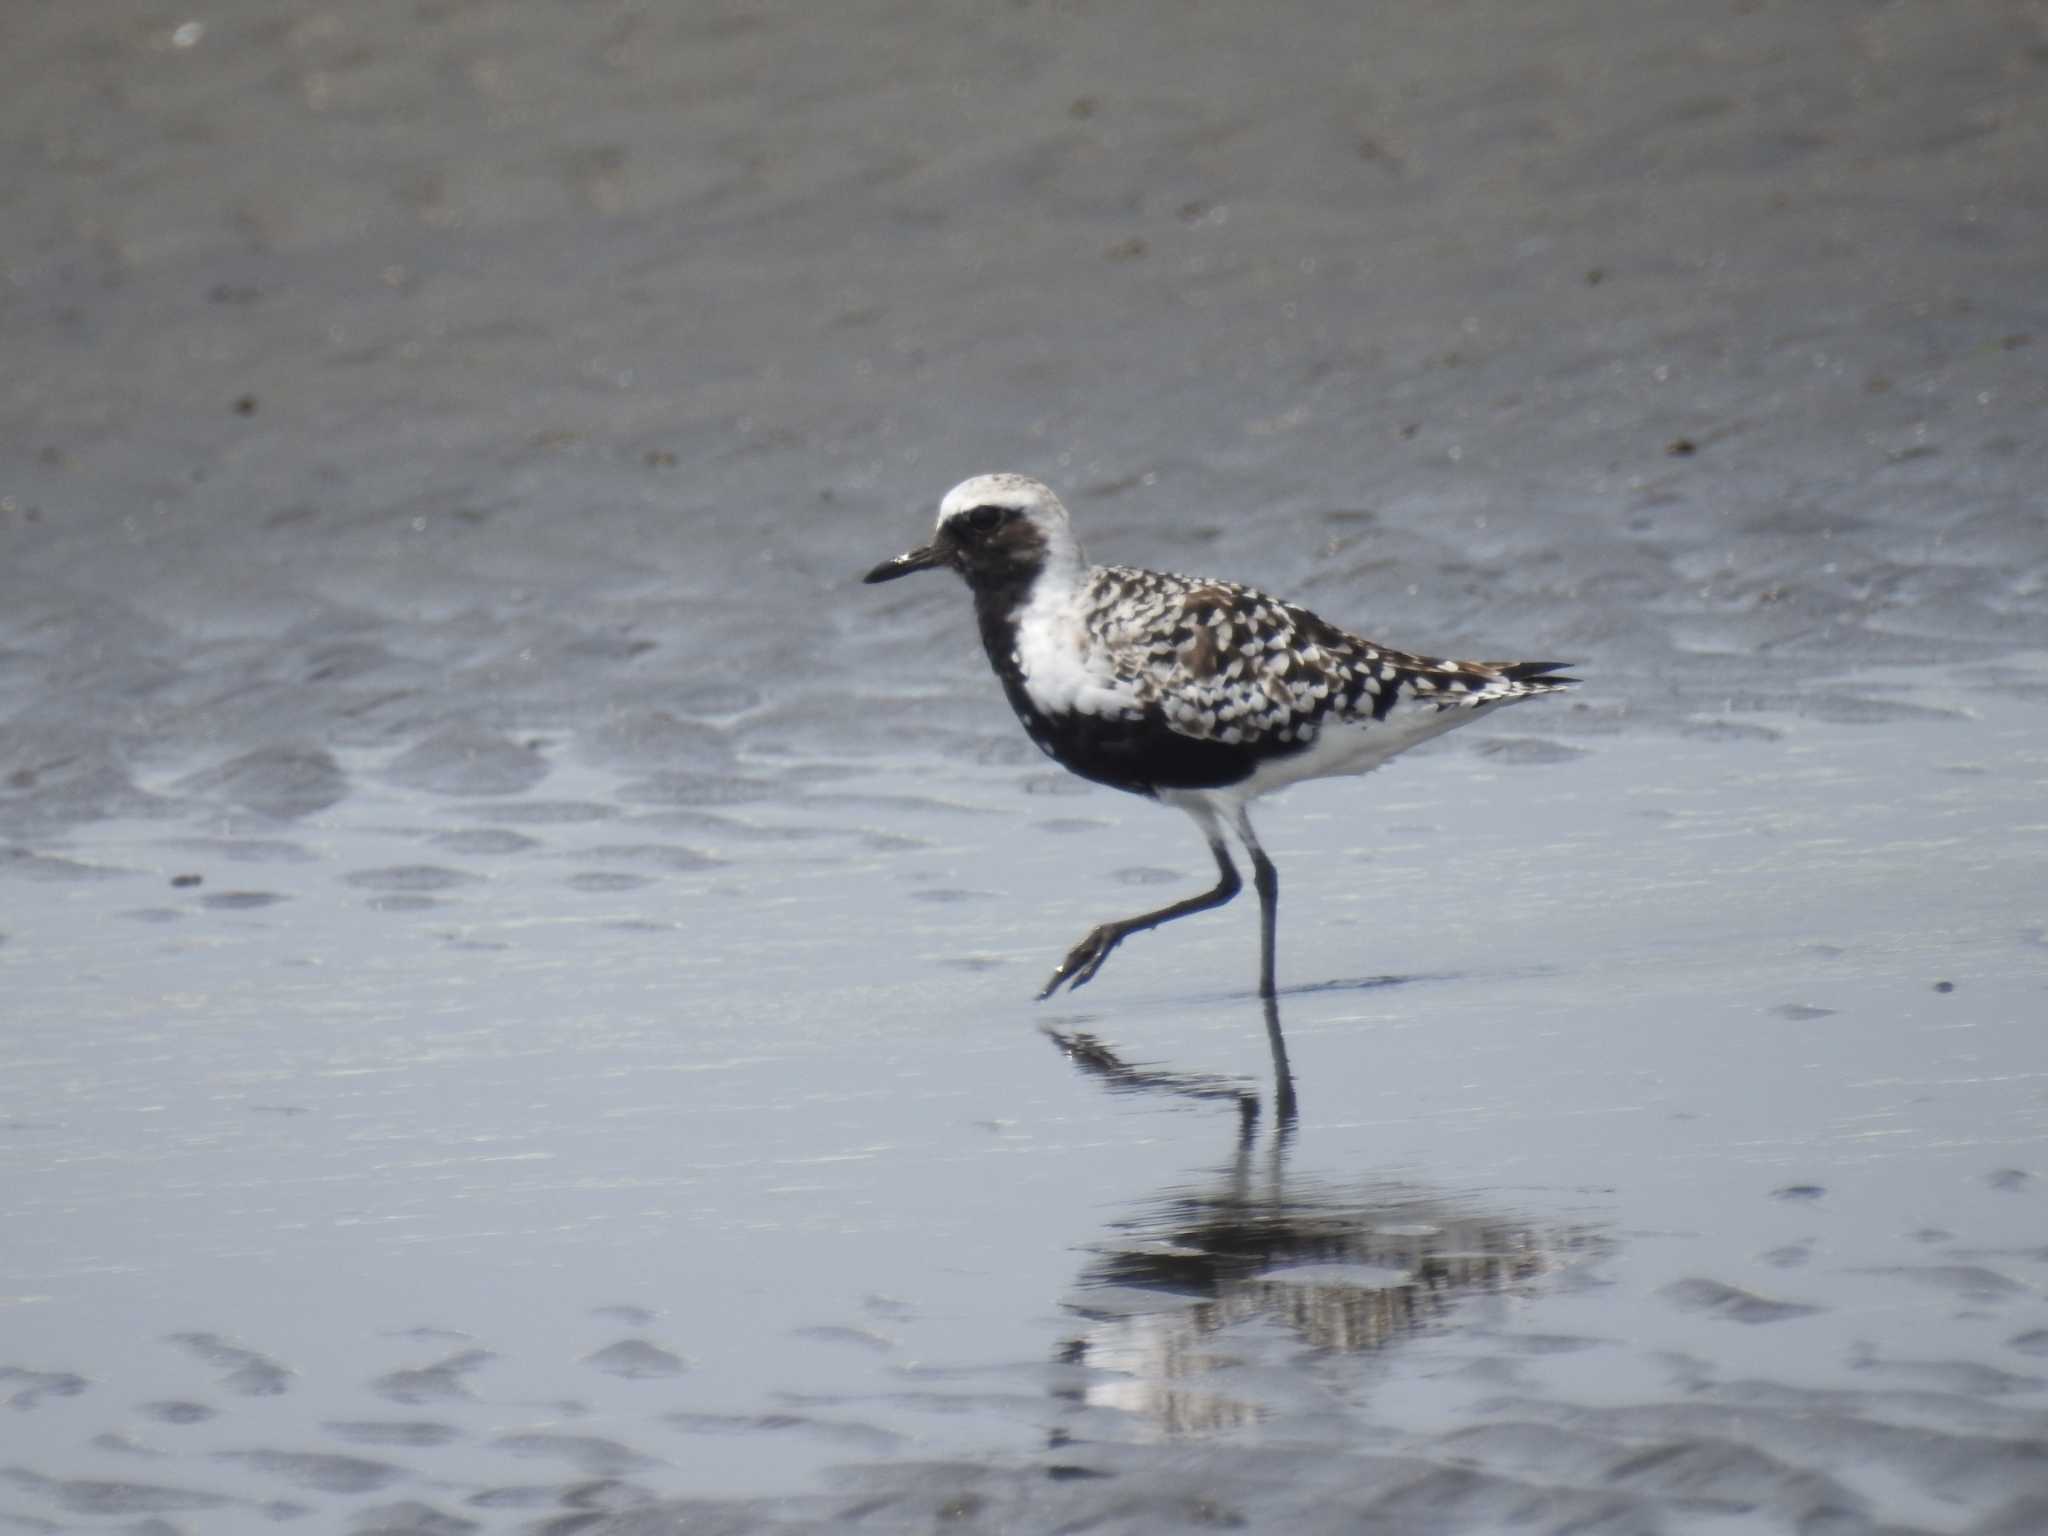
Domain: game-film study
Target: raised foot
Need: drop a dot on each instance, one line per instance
(1084, 960)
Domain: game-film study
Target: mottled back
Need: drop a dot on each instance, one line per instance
(1226, 663)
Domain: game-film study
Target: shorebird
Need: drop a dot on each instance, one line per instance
(1200, 694)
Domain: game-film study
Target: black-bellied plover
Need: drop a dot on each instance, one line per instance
(1202, 694)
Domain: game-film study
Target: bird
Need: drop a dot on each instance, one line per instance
(1200, 694)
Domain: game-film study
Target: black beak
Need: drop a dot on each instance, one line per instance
(916, 560)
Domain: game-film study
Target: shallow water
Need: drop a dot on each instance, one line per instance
(517, 969)
(446, 1172)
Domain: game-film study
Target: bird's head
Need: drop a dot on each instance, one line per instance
(995, 530)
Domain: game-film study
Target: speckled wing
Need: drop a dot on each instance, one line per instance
(1226, 663)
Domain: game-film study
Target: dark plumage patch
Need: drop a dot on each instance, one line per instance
(991, 550)
(1142, 755)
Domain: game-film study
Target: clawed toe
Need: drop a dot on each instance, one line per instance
(1083, 961)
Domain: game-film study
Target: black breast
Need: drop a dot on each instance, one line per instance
(1143, 756)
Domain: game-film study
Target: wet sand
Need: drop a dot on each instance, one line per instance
(517, 969)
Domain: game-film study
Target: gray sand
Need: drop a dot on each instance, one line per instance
(515, 968)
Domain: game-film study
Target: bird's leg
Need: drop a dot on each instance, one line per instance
(1266, 879)
(1086, 957)
(1283, 1075)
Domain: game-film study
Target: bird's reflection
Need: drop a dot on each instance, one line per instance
(1091, 1055)
(1180, 1283)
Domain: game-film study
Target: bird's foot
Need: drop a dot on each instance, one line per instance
(1084, 960)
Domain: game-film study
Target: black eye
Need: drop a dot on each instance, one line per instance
(984, 519)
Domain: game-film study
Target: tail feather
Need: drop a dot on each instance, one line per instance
(1540, 674)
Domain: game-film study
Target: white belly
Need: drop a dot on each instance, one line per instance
(1342, 750)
